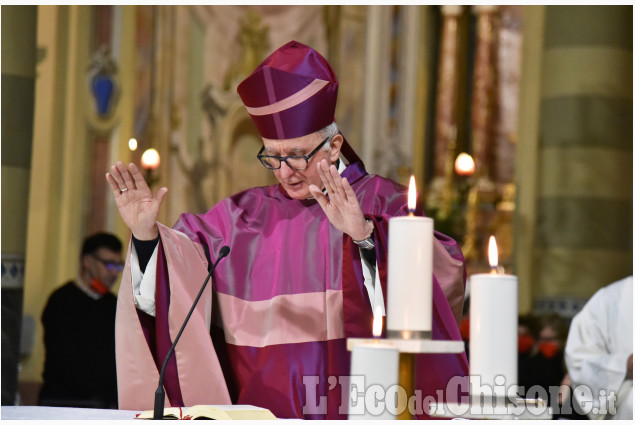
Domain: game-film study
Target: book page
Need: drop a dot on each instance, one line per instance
(219, 412)
(230, 412)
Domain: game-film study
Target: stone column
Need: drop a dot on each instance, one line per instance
(509, 69)
(580, 219)
(445, 122)
(482, 193)
(483, 108)
(446, 115)
(18, 83)
(376, 89)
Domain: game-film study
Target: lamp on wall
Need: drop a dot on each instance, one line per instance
(150, 161)
(132, 144)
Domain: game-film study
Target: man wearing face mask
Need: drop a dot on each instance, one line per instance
(526, 344)
(545, 366)
(307, 268)
(79, 331)
(548, 360)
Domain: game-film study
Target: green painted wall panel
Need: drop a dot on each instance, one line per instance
(18, 52)
(585, 223)
(570, 272)
(587, 26)
(17, 120)
(582, 172)
(589, 121)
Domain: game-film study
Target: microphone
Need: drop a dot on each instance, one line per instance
(159, 395)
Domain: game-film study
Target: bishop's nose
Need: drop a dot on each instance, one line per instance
(285, 170)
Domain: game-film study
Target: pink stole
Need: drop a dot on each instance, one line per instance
(199, 372)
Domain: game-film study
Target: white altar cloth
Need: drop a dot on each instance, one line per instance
(38, 413)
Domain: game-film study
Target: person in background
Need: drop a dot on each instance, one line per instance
(541, 368)
(79, 331)
(548, 359)
(599, 352)
(526, 344)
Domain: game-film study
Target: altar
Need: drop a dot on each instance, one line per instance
(38, 413)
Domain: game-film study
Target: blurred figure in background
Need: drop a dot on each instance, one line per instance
(526, 344)
(79, 331)
(541, 368)
(548, 359)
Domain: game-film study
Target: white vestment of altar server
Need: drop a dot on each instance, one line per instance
(599, 344)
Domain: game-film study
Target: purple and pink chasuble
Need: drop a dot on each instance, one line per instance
(283, 303)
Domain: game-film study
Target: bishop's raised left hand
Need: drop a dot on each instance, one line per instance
(340, 203)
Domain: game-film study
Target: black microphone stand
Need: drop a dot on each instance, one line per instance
(159, 395)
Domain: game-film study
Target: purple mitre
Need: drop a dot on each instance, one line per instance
(290, 94)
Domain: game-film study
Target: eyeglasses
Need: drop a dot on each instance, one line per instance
(110, 265)
(297, 163)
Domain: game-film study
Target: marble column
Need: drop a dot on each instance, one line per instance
(446, 103)
(446, 116)
(18, 83)
(483, 107)
(509, 70)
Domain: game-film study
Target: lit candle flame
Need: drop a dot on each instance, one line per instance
(464, 164)
(412, 196)
(493, 255)
(150, 159)
(377, 324)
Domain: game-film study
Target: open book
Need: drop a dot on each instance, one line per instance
(222, 412)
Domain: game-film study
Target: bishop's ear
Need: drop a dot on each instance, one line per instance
(336, 145)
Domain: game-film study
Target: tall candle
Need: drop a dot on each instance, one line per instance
(410, 273)
(374, 367)
(494, 324)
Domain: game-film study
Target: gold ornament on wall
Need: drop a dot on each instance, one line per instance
(253, 39)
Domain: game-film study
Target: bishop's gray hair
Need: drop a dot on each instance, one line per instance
(328, 131)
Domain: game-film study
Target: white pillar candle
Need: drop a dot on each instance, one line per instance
(374, 377)
(410, 275)
(409, 312)
(494, 327)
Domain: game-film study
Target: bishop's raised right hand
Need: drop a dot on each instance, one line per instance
(139, 209)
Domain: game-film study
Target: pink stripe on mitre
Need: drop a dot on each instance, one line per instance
(289, 102)
(285, 319)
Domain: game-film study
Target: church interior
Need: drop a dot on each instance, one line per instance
(516, 122)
